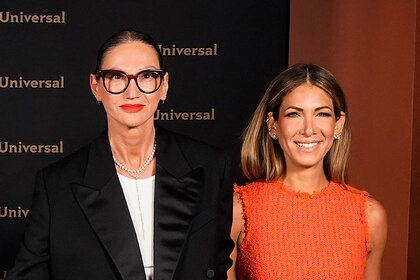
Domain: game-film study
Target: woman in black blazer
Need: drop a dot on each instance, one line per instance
(80, 224)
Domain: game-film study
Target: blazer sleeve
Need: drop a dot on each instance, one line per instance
(225, 221)
(32, 261)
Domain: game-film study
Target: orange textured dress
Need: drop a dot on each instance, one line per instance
(293, 235)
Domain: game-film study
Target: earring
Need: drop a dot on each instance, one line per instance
(336, 136)
(274, 136)
(99, 103)
(267, 119)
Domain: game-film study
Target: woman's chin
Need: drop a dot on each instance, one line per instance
(128, 124)
(308, 163)
(134, 125)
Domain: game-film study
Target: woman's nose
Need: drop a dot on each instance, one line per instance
(308, 127)
(132, 90)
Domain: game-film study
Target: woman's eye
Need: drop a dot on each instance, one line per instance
(146, 76)
(324, 114)
(115, 76)
(149, 75)
(292, 114)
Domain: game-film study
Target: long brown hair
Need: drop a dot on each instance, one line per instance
(262, 158)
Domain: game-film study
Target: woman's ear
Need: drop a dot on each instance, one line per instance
(165, 86)
(94, 87)
(271, 125)
(339, 124)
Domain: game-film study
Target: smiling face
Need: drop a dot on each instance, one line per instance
(131, 108)
(306, 126)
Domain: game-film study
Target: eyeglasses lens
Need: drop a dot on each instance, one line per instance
(148, 81)
(115, 81)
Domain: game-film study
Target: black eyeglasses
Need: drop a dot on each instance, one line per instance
(147, 81)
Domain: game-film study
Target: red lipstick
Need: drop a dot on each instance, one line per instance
(132, 108)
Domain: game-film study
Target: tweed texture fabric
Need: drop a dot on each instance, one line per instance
(293, 235)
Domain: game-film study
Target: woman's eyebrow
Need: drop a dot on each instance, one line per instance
(293, 107)
(300, 109)
(323, 107)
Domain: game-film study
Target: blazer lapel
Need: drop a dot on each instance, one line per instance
(176, 195)
(103, 202)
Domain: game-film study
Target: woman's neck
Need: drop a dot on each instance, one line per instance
(306, 180)
(132, 146)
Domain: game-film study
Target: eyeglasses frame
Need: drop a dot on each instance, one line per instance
(102, 73)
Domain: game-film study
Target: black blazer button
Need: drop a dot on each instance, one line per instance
(210, 273)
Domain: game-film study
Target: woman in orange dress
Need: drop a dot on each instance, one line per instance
(298, 219)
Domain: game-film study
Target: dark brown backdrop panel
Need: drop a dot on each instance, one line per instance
(413, 270)
(369, 46)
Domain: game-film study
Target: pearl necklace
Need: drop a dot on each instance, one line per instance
(142, 168)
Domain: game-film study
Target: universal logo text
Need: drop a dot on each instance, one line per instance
(22, 17)
(8, 82)
(20, 148)
(175, 50)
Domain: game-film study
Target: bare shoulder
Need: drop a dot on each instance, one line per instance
(236, 233)
(237, 200)
(377, 223)
(238, 212)
(238, 225)
(375, 212)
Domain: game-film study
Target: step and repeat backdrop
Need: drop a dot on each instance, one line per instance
(221, 56)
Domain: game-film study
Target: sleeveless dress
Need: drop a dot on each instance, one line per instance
(294, 235)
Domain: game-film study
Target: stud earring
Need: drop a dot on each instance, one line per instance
(274, 136)
(336, 136)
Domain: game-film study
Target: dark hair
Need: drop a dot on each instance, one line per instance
(124, 36)
(261, 157)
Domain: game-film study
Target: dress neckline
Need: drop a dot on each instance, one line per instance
(319, 193)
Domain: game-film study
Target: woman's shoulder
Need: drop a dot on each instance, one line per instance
(352, 191)
(195, 151)
(374, 218)
(375, 210)
(185, 140)
(377, 224)
(251, 187)
(75, 162)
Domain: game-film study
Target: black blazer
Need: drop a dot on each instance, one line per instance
(80, 227)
